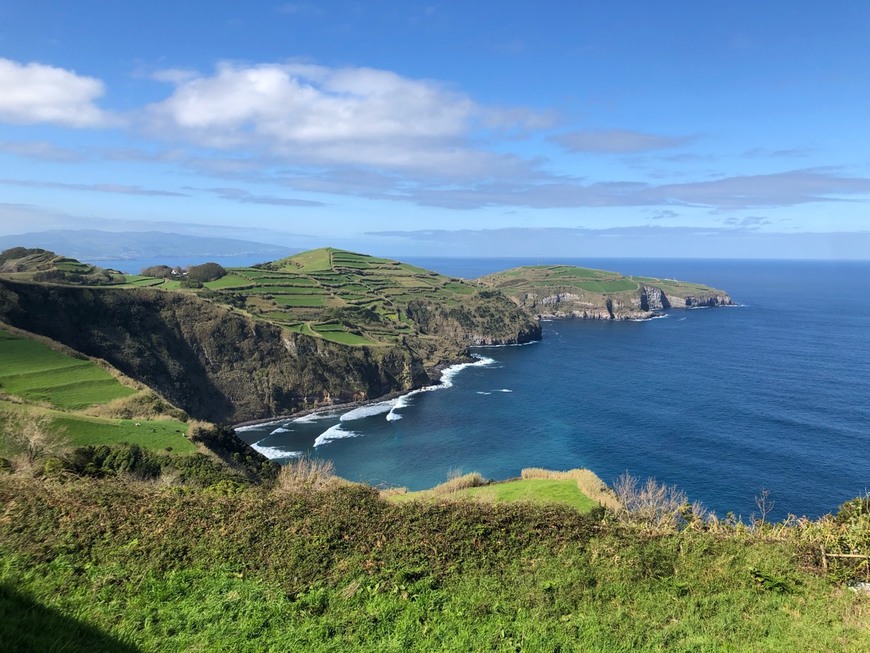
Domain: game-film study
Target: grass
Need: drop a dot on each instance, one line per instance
(228, 281)
(579, 489)
(345, 338)
(153, 434)
(76, 430)
(564, 492)
(159, 568)
(35, 372)
(615, 285)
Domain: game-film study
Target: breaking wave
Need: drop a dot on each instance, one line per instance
(368, 411)
(336, 432)
(274, 452)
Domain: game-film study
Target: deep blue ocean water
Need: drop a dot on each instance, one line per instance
(723, 402)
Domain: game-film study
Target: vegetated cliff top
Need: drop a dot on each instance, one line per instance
(567, 290)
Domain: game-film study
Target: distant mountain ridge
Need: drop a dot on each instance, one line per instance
(95, 245)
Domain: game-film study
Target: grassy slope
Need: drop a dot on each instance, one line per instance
(163, 569)
(41, 381)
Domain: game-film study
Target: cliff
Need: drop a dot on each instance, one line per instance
(325, 327)
(568, 291)
(213, 363)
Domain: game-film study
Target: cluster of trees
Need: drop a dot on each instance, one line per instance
(192, 277)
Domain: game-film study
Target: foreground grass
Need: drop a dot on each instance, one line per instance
(159, 568)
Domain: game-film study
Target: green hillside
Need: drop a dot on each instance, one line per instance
(36, 264)
(348, 298)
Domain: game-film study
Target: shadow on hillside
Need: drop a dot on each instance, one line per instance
(27, 626)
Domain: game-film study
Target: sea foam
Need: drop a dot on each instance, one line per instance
(368, 411)
(313, 417)
(336, 432)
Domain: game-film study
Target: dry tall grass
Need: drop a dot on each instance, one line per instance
(456, 481)
(587, 482)
(307, 474)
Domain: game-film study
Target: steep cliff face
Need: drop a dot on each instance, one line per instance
(488, 318)
(213, 363)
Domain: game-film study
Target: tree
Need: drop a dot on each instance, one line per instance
(205, 272)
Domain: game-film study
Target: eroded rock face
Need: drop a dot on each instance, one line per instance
(653, 299)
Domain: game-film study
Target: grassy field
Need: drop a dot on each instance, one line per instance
(580, 489)
(535, 490)
(38, 373)
(151, 434)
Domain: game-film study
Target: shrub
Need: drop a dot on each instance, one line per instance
(657, 507)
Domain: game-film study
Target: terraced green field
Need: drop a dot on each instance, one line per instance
(43, 383)
(38, 373)
(362, 300)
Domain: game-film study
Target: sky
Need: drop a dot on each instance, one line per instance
(584, 128)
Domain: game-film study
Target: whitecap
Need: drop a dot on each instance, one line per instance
(481, 392)
(336, 432)
(368, 411)
(274, 452)
(281, 429)
(256, 427)
(505, 390)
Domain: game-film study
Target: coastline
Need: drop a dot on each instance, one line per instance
(341, 407)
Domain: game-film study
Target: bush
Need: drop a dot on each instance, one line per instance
(659, 508)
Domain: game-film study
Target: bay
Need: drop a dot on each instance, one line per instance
(722, 402)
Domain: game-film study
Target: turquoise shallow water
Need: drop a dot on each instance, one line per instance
(721, 402)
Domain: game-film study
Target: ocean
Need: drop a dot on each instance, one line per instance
(723, 403)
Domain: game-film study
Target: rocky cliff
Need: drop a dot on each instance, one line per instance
(213, 363)
(568, 291)
(220, 365)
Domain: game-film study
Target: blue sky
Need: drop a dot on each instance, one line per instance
(580, 128)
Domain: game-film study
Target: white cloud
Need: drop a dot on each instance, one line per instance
(335, 116)
(36, 93)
